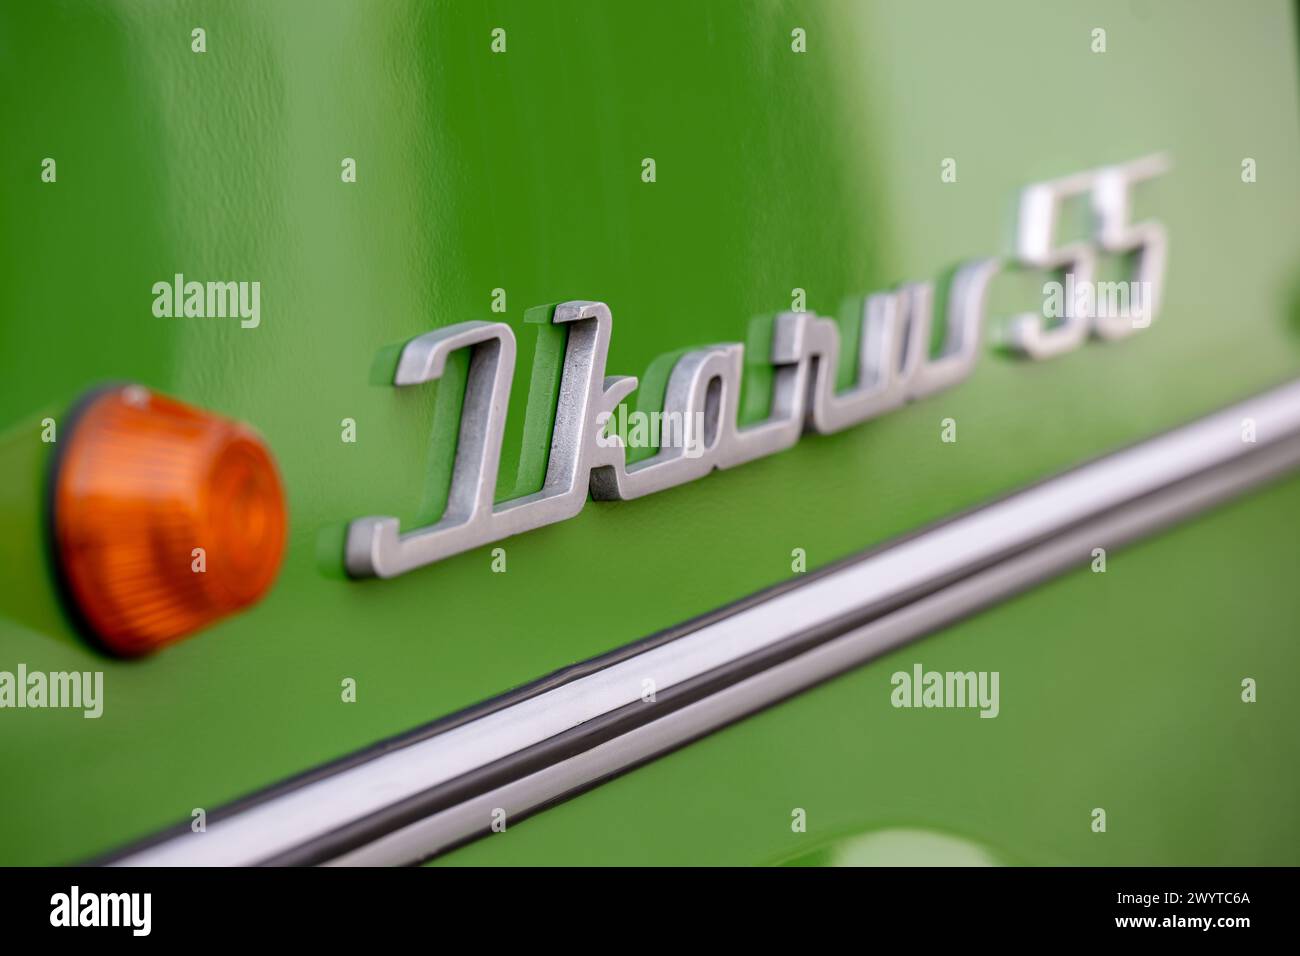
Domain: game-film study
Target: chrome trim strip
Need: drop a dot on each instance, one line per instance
(910, 587)
(461, 823)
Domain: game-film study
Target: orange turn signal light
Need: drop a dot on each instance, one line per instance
(165, 518)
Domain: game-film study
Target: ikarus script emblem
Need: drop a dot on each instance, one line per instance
(896, 364)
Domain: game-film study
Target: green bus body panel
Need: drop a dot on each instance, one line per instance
(774, 171)
(1118, 691)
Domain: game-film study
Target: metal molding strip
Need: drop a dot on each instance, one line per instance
(410, 799)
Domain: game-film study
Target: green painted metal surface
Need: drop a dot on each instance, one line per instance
(775, 170)
(1119, 691)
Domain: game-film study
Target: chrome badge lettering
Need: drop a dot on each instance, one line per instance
(895, 365)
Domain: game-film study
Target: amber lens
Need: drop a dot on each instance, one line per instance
(166, 518)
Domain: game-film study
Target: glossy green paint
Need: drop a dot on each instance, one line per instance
(1120, 691)
(522, 171)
